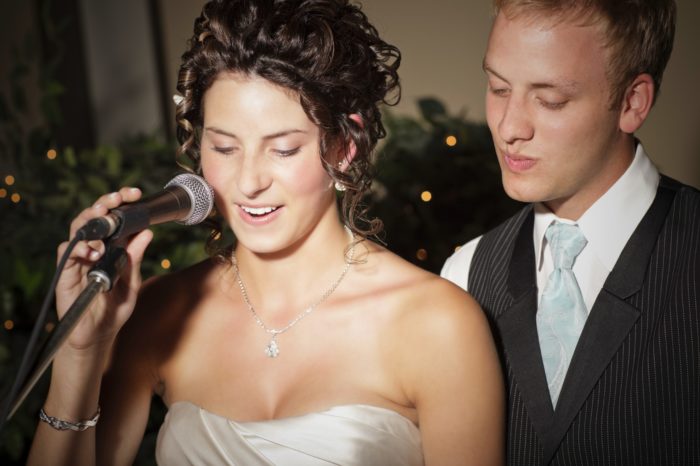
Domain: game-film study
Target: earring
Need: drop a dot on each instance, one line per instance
(340, 187)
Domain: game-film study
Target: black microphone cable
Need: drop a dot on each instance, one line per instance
(27, 360)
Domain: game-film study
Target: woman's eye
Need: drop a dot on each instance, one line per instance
(224, 150)
(287, 153)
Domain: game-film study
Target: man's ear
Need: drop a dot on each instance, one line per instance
(639, 97)
(351, 148)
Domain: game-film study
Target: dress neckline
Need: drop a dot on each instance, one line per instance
(328, 411)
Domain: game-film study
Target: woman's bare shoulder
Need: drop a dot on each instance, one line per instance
(165, 301)
(429, 315)
(420, 293)
(442, 354)
(182, 288)
(437, 306)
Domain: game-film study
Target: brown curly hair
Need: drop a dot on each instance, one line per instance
(326, 51)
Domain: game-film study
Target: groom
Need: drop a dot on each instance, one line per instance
(592, 290)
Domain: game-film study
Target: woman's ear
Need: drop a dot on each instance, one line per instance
(351, 148)
(637, 103)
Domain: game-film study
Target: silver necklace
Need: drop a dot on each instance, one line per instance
(272, 349)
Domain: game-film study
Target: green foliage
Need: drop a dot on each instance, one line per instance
(463, 180)
(52, 193)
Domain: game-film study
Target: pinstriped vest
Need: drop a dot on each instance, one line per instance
(632, 392)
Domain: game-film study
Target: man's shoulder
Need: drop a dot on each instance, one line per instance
(687, 196)
(679, 186)
(456, 267)
(690, 192)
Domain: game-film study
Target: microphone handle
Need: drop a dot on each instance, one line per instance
(172, 204)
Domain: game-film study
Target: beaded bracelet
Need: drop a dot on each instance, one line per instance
(61, 424)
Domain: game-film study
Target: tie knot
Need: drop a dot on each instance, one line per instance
(566, 242)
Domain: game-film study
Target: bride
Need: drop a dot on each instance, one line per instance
(305, 342)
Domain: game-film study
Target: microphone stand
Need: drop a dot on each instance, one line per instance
(101, 278)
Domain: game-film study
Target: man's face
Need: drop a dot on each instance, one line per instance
(548, 109)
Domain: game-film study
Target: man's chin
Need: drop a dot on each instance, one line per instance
(522, 192)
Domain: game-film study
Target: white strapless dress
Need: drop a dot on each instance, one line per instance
(342, 435)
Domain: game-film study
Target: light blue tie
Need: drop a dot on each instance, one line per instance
(562, 312)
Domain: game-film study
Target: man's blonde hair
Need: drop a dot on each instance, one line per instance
(637, 33)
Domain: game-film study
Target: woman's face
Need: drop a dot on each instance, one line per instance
(260, 153)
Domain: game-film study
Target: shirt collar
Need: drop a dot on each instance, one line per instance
(610, 221)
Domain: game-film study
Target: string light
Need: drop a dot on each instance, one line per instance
(426, 196)
(422, 254)
(15, 198)
(51, 154)
(3, 193)
(49, 327)
(165, 263)
(9, 325)
(9, 180)
(451, 141)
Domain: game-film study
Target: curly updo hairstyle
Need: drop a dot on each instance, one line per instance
(326, 51)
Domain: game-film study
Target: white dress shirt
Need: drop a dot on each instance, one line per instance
(607, 225)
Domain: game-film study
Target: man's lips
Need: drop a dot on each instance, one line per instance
(518, 163)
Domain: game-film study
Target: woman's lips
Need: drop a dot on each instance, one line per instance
(258, 215)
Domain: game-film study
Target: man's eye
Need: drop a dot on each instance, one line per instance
(553, 105)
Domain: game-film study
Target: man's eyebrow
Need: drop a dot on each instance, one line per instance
(485, 66)
(565, 85)
(561, 84)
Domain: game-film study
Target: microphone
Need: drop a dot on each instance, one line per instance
(186, 199)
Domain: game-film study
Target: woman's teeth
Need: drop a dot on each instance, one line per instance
(258, 210)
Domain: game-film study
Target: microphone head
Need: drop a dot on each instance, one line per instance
(200, 193)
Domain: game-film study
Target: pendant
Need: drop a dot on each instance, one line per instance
(272, 350)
